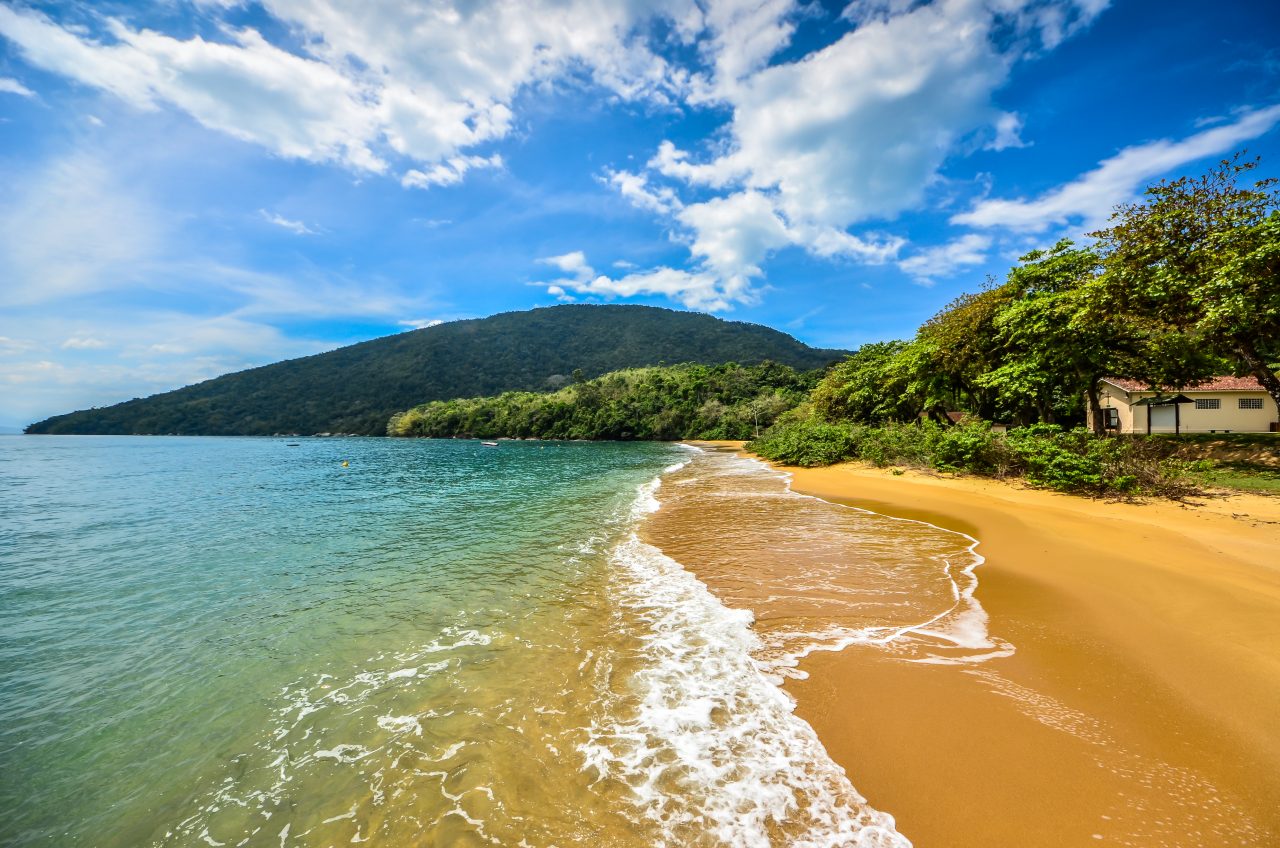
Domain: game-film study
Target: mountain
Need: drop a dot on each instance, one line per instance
(356, 389)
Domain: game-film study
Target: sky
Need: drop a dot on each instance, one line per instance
(193, 188)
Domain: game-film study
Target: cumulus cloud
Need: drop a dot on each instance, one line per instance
(694, 289)
(850, 134)
(1008, 129)
(1089, 199)
(448, 172)
(945, 260)
(637, 189)
(371, 83)
(420, 323)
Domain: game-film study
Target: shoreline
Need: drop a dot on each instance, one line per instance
(1139, 706)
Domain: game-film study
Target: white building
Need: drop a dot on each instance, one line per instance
(1222, 405)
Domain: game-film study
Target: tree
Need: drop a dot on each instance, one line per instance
(868, 387)
(1200, 259)
(954, 348)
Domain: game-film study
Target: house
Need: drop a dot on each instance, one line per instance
(1221, 405)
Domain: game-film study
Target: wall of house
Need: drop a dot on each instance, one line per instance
(1132, 419)
(1227, 417)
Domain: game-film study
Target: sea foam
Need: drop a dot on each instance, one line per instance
(708, 746)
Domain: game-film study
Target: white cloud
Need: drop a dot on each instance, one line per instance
(1008, 132)
(247, 88)
(636, 188)
(141, 353)
(373, 82)
(296, 227)
(420, 323)
(449, 172)
(849, 134)
(573, 264)
(1089, 199)
(733, 234)
(12, 86)
(83, 343)
(946, 259)
(696, 290)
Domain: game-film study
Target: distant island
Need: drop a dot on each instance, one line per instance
(356, 389)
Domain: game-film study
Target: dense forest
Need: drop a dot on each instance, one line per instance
(356, 389)
(688, 401)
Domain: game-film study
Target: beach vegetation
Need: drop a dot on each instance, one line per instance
(1043, 455)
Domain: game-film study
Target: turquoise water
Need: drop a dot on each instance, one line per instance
(159, 593)
(211, 641)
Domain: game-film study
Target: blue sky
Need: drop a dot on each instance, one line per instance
(192, 188)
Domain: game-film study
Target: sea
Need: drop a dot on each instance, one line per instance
(363, 641)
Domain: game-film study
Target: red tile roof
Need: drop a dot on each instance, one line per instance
(1214, 384)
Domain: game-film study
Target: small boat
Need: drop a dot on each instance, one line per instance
(490, 444)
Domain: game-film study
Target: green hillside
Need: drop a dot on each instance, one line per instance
(687, 401)
(356, 389)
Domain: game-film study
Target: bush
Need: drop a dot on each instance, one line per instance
(1044, 455)
(806, 443)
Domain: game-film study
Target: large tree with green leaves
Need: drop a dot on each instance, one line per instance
(954, 348)
(869, 387)
(1049, 352)
(1199, 259)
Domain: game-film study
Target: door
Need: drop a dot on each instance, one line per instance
(1164, 419)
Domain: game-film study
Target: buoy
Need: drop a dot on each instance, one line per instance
(345, 463)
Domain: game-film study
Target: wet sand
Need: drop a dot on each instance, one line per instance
(1142, 705)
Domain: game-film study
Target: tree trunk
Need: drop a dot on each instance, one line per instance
(1095, 409)
(1258, 367)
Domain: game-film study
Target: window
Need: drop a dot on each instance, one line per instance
(1251, 403)
(1208, 403)
(1111, 418)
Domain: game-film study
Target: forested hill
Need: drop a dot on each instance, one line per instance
(356, 389)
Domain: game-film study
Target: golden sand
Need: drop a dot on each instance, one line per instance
(1142, 705)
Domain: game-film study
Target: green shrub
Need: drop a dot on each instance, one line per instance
(974, 447)
(806, 443)
(1044, 455)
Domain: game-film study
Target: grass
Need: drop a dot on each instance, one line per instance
(1239, 476)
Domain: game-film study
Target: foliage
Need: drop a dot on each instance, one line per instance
(868, 386)
(674, 402)
(1200, 257)
(356, 389)
(1045, 455)
(807, 443)
(1180, 288)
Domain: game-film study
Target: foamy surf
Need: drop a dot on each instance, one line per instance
(702, 743)
(828, 576)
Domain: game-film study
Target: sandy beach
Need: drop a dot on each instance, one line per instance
(1142, 704)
